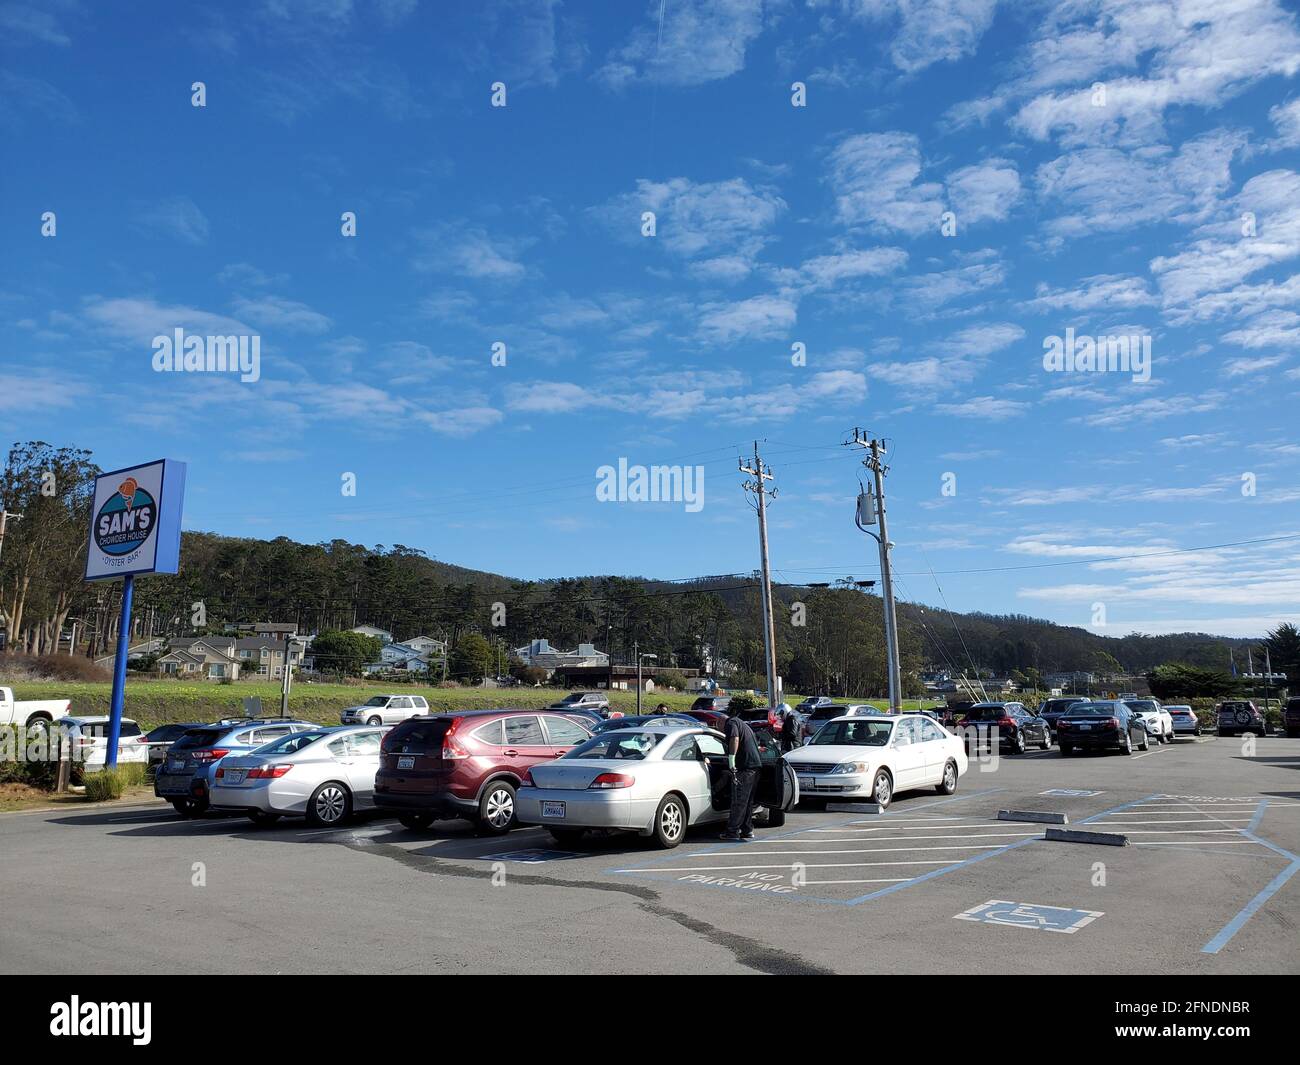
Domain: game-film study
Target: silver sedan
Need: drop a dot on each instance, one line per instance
(652, 780)
(324, 775)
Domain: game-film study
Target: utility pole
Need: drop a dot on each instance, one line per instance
(287, 680)
(762, 473)
(870, 512)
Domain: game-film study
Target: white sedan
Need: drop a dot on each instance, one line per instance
(655, 780)
(1158, 721)
(871, 758)
(323, 774)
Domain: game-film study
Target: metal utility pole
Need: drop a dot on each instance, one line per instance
(287, 680)
(762, 473)
(871, 511)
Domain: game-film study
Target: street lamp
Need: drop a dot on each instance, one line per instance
(639, 659)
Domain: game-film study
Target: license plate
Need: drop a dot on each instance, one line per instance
(553, 809)
(1085, 726)
(176, 763)
(406, 763)
(234, 776)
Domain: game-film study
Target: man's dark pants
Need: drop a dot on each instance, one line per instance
(741, 821)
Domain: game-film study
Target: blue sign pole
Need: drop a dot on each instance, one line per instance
(119, 674)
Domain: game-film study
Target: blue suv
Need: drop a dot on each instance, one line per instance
(185, 777)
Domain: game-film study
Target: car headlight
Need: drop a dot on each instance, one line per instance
(851, 767)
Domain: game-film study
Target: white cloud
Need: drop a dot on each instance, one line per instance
(1101, 292)
(550, 397)
(274, 312)
(699, 41)
(984, 192)
(756, 318)
(874, 179)
(929, 31)
(986, 408)
(177, 217)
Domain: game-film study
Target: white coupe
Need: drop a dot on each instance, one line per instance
(873, 757)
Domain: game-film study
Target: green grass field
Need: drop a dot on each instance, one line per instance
(155, 702)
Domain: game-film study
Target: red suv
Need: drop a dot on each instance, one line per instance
(467, 764)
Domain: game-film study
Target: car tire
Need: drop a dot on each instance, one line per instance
(188, 808)
(1146, 742)
(263, 818)
(882, 789)
(567, 836)
(775, 818)
(375, 720)
(496, 809)
(670, 821)
(948, 784)
(1047, 740)
(329, 805)
(1127, 746)
(415, 822)
(1018, 744)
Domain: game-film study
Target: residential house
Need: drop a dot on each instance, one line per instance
(541, 654)
(206, 657)
(383, 635)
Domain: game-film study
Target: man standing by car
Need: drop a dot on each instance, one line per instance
(791, 730)
(743, 760)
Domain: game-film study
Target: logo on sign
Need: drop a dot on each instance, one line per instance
(126, 520)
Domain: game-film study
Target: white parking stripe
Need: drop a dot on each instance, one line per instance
(1170, 831)
(861, 850)
(901, 828)
(789, 865)
(1199, 843)
(873, 839)
(810, 883)
(1180, 821)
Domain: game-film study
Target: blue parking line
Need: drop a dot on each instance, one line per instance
(1259, 814)
(980, 857)
(1274, 886)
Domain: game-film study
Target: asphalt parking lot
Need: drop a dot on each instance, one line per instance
(935, 884)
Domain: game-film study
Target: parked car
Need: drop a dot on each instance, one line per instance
(1235, 716)
(710, 709)
(160, 739)
(875, 757)
(31, 711)
(1101, 724)
(323, 774)
(813, 702)
(385, 710)
(588, 719)
(1291, 717)
(185, 778)
(638, 721)
(1184, 719)
(1018, 727)
(1050, 710)
(830, 711)
(468, 764)
(88, 737)
(655, 780)
(1159, 724)
(593, 701)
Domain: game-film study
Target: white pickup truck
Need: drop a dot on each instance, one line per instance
(30, 711)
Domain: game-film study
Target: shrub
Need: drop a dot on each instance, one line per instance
(671, 678)
(743, 701)
(110, 783)
(51, 667)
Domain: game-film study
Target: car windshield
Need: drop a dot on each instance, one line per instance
(1142, 706)
(855, 733)
(296, 742)
(1089, 710)
(378, 700)
(617, 745)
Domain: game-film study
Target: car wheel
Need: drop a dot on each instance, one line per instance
(775, 818)
(1047, 740)
(882, 791)
(670, 821)
(1146, 742)
(375, 720)
(329, 805)
(262, 818)
(189, 807)
(1127, 746)
(567, 836)
(948, 784)
(1018, 744)
(415, 821)
(496, 809)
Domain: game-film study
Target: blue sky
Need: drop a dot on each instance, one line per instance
(1112, 168)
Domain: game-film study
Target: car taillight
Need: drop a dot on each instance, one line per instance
(266, 772)
(613, 780)
(1113, 722)
(1007, 721)
(527, 781)
(210, 755)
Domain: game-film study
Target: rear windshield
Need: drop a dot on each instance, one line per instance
(863, 733)
(618, 745)
(199, 737)
(825, 713)
(984, 713)
(421, 730)
(1142, 706)
(1090, 710)
(100, 729)
(296, 742)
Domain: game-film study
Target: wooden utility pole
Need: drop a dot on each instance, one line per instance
(762, 473)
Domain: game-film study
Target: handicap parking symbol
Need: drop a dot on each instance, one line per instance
(1029, 915)
(1072, 793)
(530, 856)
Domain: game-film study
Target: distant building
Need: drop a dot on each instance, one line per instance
(370, 630)
(540, 654)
